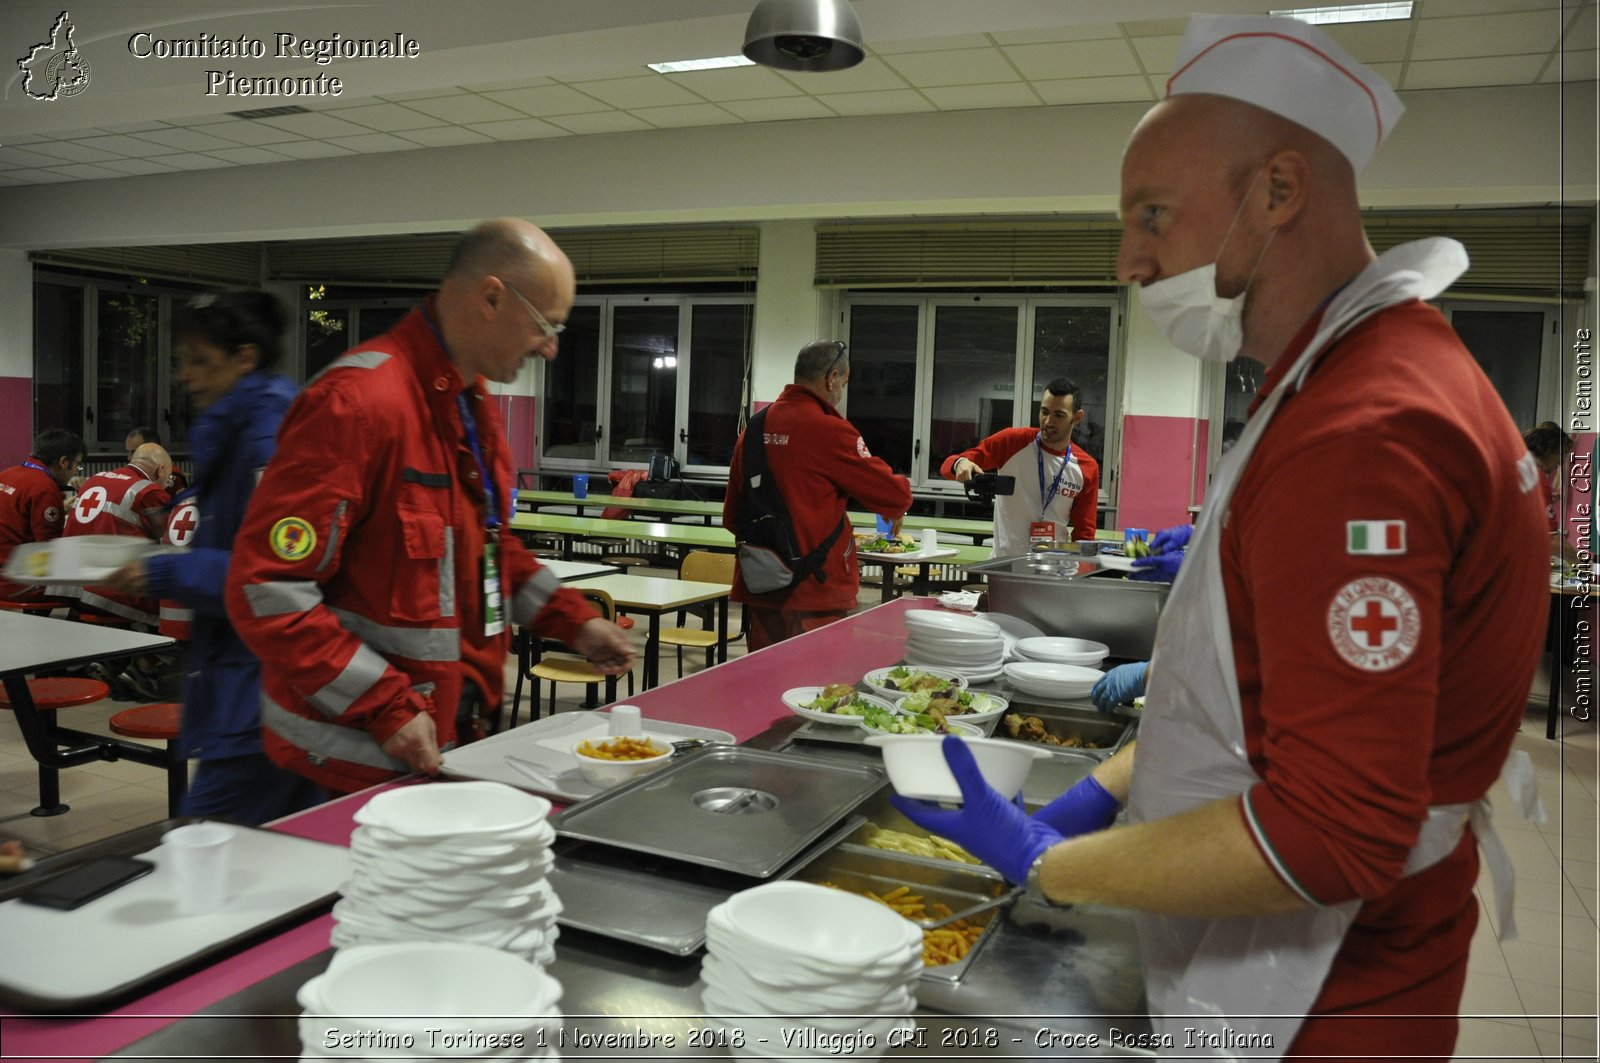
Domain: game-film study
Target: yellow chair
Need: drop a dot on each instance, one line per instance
(534, 664)
(701, 566)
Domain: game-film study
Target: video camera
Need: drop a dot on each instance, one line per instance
(985, 485)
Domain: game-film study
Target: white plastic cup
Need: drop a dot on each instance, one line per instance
(197, 856)
(626, 722)
(930, 540)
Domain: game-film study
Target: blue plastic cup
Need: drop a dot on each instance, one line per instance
(580, 486)
(883, 525)
(1133, 535)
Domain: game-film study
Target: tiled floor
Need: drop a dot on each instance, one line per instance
(1531, 998)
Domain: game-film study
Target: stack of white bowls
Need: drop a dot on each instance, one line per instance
(461, 862)
(429, 1000)
(970, 646)
(836, 962)
(1047, 650)
(1053, 682)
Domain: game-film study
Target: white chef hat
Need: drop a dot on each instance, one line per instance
(1292, 69)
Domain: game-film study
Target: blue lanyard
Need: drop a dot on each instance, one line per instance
(36, 465)
(493, 520)
(1054, 487)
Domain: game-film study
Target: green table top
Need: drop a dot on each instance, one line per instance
(689, 506)
(652, 531)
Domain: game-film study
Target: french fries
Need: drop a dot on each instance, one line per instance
(941, 945)
(622, 749)
(897, 841)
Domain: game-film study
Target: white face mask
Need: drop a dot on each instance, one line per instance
(1192, 315)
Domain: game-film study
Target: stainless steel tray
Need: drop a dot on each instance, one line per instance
(742, 810)
(975, 894)
(1082, 723)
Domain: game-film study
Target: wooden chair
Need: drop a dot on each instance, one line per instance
(160, 721)
(702, 566)
(535, 664)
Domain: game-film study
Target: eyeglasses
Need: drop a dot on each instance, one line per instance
(837, 358)
(545, 327)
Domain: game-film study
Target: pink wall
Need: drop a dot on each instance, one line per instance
(16, 419)
(1157, 472)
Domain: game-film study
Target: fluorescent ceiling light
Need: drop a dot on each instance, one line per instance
(1348, 13)
(700, 64)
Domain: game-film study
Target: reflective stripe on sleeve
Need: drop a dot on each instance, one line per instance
(282, 597)
(363, 672)
(333, 534)
(328, 740)
(447, 575)
(412, 643)
(127, 612)
(533, 596)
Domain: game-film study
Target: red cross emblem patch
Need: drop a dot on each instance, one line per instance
(90, 504)
(181, 526)
(1374, 623)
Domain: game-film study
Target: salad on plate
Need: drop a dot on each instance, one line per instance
(840, 699)
(952, 703)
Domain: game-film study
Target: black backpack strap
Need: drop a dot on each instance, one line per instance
(758, 484)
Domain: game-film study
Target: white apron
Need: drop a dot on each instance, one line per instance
(1238, 977)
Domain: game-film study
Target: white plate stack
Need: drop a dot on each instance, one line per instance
(1045, 650)
(836, 962)
(429, 1000)
(459, 862)
(1053, 682)
(970, 646)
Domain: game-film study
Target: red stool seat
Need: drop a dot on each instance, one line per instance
(61, 692)
(31, 608)
(103, 619)
(149, 721)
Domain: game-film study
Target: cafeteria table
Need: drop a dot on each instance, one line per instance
(573, 528)
(952, 554)
(567, 571)
(1061, 971)
(31, 644)
(654, 595)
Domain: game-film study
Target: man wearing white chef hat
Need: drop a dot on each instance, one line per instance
(1347, 650)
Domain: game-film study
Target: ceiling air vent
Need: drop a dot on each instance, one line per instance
(271, 112)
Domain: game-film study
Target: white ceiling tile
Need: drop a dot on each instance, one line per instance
(692, 114)
(1433, 8)
(310, 149)
(894, 101)
(28, 138)
(247, 156)
(736, 83)
(386, 117)
(373, 143)
(779, 110)
(600, 122)
(38, 177)
(76, 151)
(1573, 66)
(131, 127)
(1050, 34)
(1157, 54)
(1094, 90)
(464, 110)
(930, 44)
(519, 129)
(551, 99)
(445, 136)
(1463, 73)
(136, 166)
(317, 125)
(75, 134)
(652, 90)
(425, 94)
(7, 182)
(973, 97)
(1157, 27)
(190, 161)
(499, 86)
(967, 66)
(15, 157)
(1373, 42)
(870, 75)
(203, 119)
(1477, 35)
(252, 132)
(1582, 32)
(84, 171)
(1389, 72)
(186, 139)
(1074, 59)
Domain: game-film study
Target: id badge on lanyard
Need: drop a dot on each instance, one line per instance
(1041, 531)
(494, 621)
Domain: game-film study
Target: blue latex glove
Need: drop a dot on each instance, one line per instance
(1157, 568)
(1122, 684)
(987, 825)
(1085, 808)
(1170, 539)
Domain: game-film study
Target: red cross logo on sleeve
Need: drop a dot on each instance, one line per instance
(1374, 624)
(185, 519)
(90, 504)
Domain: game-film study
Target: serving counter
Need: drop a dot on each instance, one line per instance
(1050, 983)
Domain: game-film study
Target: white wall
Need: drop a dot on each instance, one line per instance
(790, 312)
(1158, 379)
(16, 310)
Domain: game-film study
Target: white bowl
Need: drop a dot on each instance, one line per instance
(599, 771)
(1056, 681)
(796, 699)
(917, 767)
(453, 810)
(986, 706)
(1064, 651)
(942, 622)
(801, 919)
(415, 982)
(878, 679)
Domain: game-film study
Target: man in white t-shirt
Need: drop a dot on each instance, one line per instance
(1058, 486)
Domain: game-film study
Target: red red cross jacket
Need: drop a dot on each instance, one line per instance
(819, 462)
(121, 502)
(355, 576)
(182, 521)
(31, 511)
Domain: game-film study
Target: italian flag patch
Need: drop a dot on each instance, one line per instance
(1375, 537)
